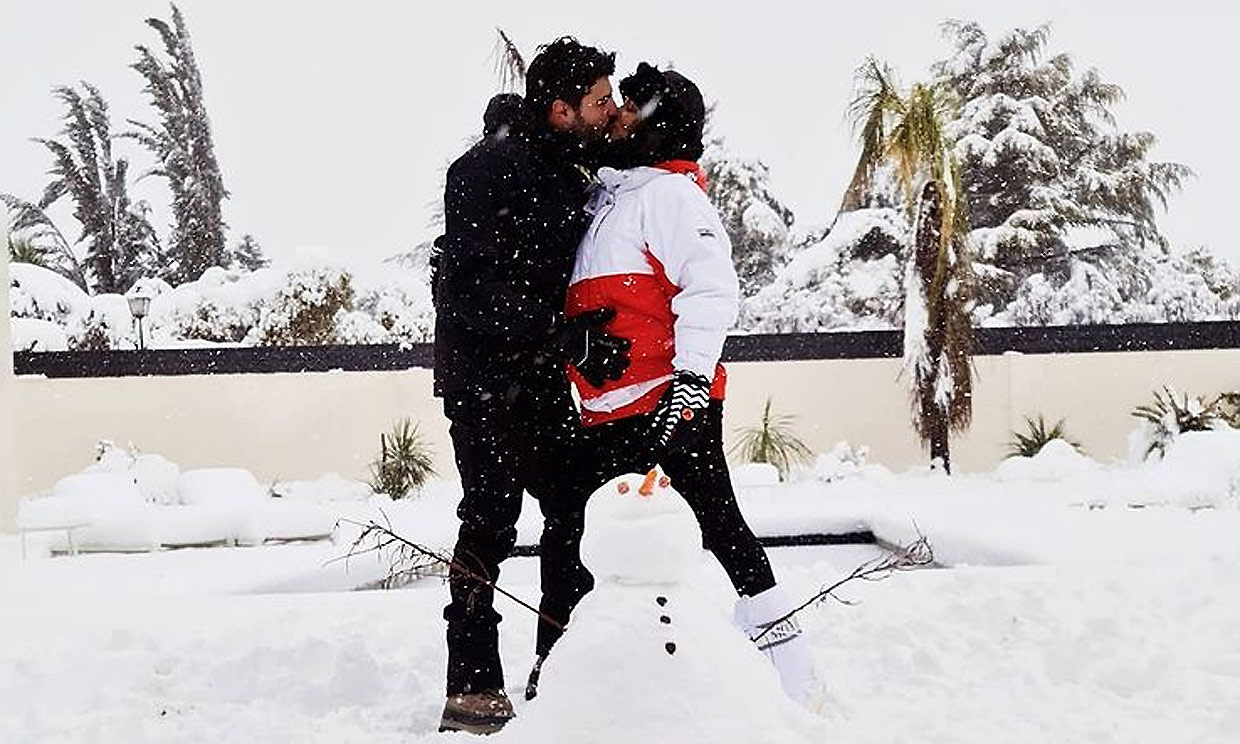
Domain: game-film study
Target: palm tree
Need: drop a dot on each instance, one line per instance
(906, 132)
(116, 231)
(38, 228)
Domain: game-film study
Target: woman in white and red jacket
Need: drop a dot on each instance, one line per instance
(657, 253)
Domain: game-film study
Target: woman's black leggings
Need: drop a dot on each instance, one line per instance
(699, 474)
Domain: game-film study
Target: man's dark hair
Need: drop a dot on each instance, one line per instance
(565, 70)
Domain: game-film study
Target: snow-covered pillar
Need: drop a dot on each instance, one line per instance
(8, 394)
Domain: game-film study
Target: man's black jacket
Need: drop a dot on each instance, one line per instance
(514, 216)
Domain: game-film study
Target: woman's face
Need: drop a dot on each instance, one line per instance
(626, 120)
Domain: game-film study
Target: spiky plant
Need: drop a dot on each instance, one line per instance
(1227, 406)
(24, 250)
(1036, 436)
(1170, 416)
(771, 441)
(404, 463)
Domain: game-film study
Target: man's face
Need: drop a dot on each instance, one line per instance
(592, 119)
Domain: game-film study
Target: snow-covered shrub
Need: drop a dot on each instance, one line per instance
(402, 307)
(849, 278)
(306, 311)
(841, 462)
(1057, 460)
(90, 333)
(1199, 469)
(107, 324)
(1036, 436)
(35, 334)
(1168, 417)
(357, 327)
(314, 302)
(36, 292)
(221, 306)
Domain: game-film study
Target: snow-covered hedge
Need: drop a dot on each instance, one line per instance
(310, 302)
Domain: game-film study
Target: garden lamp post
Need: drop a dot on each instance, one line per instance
(139, 307)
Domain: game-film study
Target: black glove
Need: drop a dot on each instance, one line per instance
(597, 355)
(681, 413)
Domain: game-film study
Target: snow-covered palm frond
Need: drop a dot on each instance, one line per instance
(876, 101)
(509, 63)
(30, 220)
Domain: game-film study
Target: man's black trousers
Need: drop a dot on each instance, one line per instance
(528, 439)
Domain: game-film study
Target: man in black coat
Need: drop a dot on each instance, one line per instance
(514, 215)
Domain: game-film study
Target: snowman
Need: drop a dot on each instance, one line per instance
(651, 654)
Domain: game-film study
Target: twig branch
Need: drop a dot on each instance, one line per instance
(409, 559)
(916, 554)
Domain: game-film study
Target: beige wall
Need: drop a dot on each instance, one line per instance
(8, 420)
(286, 426)
(863, 402)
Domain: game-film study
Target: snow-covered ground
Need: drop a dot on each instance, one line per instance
(1077, 602)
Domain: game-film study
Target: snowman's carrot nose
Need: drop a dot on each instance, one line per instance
(647, 486)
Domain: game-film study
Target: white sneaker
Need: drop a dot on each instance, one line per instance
(781, 640)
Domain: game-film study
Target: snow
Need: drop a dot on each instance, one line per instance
(35, 334)
(1078, 601)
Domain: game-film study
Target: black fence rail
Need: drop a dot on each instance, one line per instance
(744, 348)
(859, 537)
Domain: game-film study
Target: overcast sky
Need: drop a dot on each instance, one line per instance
(333, 120)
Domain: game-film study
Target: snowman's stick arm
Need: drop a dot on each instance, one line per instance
(914, 555)
(385, 537)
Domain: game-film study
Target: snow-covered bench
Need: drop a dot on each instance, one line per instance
(76, 504)
(107, 511)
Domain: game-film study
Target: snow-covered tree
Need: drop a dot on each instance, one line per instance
(849, 277)
(182, 144)
(1061, 205)
(247, 255)
(756, 221)
(1051, 180)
